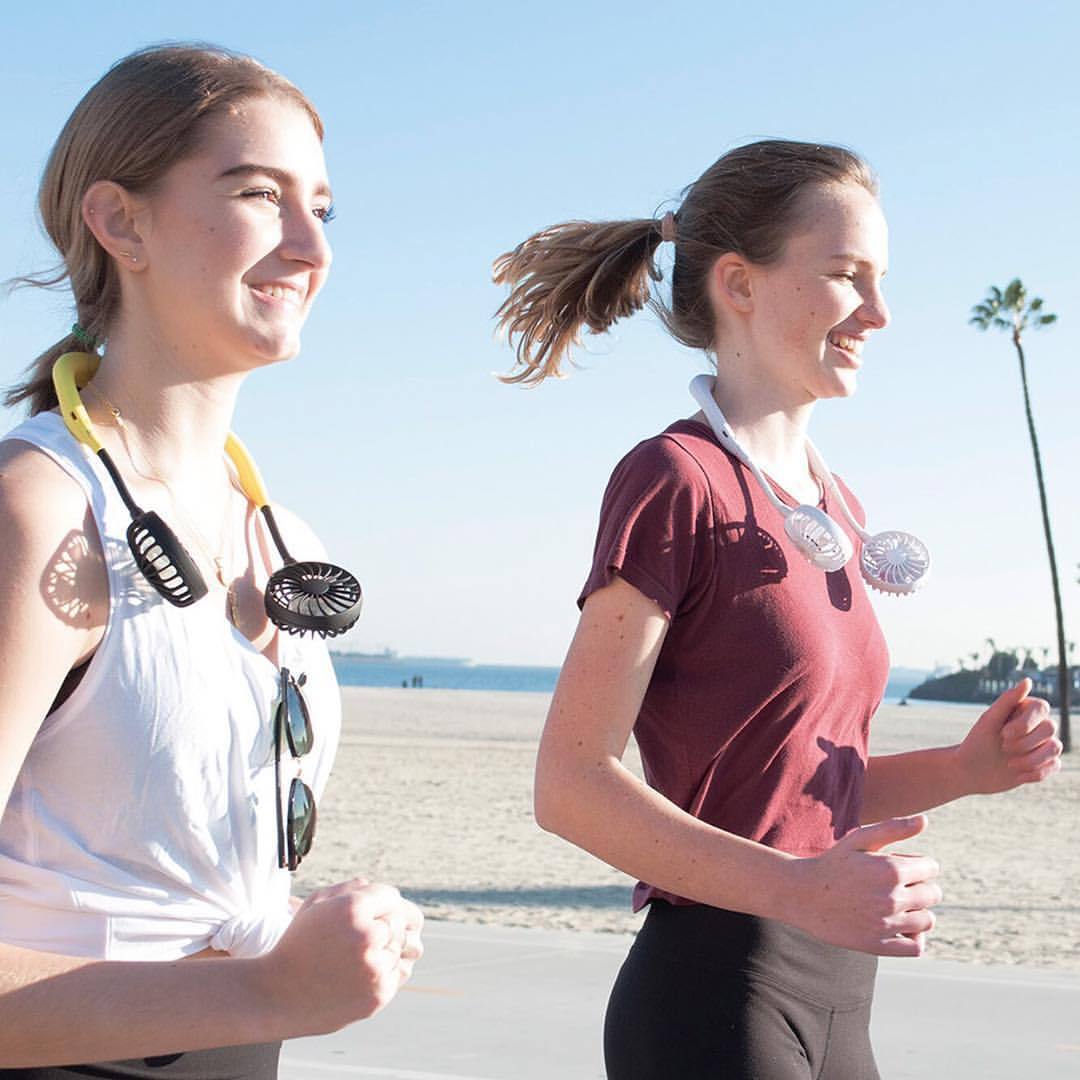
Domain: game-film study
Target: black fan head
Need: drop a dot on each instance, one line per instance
(313, 596)
(163, 561)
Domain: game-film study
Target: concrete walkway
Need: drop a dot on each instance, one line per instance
(492, 1003)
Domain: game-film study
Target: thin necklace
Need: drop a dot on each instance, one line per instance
(221, 562)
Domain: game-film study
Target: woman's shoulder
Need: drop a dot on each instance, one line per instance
(53, 584)
(685, 456)
(681, 450)
(37, 497)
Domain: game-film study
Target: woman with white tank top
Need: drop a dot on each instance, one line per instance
(163, 746)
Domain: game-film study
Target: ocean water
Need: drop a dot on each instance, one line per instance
(442, 674)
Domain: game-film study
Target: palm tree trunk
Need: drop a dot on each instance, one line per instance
(1063, 666)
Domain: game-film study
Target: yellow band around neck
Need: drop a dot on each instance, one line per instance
(74, 370)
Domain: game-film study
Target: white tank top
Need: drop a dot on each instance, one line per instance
(142, 825)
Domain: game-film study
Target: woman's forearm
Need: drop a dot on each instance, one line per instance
(585, 794)
(1013, 742)
(346, 953)
(899, 784)
(65, 1010)
(600, 806)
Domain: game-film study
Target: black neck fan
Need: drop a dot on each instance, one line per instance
(302, 597)
(157, 550)
(315, 596)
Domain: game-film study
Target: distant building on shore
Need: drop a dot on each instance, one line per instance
(1002, 670)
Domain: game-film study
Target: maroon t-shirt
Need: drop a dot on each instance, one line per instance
(757, 714)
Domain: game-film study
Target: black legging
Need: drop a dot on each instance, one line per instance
(707, 994)
(257, 1062)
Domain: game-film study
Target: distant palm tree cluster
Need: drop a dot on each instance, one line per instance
(1010, 309)
(998, 668)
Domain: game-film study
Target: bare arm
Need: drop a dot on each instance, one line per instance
(850, 895)
(349, 948)
(1012, 743)
(53, 595)
(124, 1009)
(585, 794)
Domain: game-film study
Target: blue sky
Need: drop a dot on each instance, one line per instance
(467, 507)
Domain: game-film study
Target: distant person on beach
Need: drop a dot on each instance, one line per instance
(722, 623)
(163, 744)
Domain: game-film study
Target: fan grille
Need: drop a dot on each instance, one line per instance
(163, 561)
(895, 562)
(821, 541)
(315, 597)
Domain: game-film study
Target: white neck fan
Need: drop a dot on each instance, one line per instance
(892, 562)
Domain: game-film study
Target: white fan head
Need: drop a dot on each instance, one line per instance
(895, 562)
(818, 537)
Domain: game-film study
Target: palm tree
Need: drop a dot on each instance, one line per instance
(1012, 311)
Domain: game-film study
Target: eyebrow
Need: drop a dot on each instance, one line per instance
(285, 179)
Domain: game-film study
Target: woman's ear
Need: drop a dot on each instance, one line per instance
(111, 212)
(730, 285)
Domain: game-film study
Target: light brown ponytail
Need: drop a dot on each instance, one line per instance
(38, 386)
(96, 287)
(570, 277)
(584, 275)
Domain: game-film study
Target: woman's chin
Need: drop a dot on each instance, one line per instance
(842, 383)
(273, 349)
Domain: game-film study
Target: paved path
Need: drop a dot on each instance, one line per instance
(492, 1003)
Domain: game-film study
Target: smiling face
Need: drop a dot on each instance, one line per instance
(233, 238)
(815, 307)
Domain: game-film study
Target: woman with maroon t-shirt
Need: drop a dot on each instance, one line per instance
(748, 674)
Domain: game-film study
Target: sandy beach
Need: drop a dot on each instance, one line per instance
(432, 792)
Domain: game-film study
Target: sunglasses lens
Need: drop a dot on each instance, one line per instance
(297, 721)
(297, 831)
(301, 819)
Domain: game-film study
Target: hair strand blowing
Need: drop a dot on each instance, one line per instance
(568, 278)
